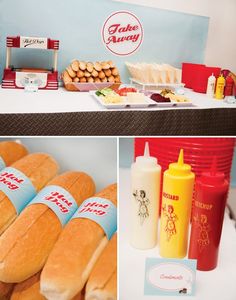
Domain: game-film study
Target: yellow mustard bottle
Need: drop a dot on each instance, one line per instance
(178, 183)
(220, 85)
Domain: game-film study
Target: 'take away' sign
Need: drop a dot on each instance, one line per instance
(122, 33)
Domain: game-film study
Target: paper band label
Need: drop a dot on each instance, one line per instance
(101, 211)
(59, 200)
(2, 163)
(18, 188)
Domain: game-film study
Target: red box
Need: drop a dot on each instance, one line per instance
(188, 73)
(199, 83)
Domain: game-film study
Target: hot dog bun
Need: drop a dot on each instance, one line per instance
(25, 246)
(39, 168)
(74, 255)
(102, 283)
(28, 289)
(5, 290)
(11, 151)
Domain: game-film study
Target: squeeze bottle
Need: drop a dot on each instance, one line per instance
(207, 218)
(220, 84)
(145, 198)
(177, 195)
(211, 86)
(229, 86)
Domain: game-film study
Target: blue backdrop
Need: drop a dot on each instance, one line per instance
(170, 37)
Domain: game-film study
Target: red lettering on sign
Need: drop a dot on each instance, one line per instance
(122, 33)
(95, 208)
(59, 200)
(7, 178)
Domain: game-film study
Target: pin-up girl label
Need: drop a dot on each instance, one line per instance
(143, 201)
(171, 218)
(122, 33)
(204, 229)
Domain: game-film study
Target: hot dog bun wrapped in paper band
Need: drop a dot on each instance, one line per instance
(79, 246)
(20, 183)
(25, 246)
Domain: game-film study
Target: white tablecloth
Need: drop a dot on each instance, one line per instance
(219, 284)
(19, 101)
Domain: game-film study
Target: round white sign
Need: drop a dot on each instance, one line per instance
(122, 33)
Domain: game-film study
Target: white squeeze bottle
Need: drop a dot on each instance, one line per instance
(145, 197)
(211, 86)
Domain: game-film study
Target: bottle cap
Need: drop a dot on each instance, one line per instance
(213, 176)
(146, 159)
(179, 168)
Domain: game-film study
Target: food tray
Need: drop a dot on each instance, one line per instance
(149, 102)
(90, 86)
(168, 104)
(172, 104)
(157, 85)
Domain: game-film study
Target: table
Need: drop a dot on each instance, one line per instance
(70, 113)
(216, 284)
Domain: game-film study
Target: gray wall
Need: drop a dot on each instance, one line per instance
(96, 156)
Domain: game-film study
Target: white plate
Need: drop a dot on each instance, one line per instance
(165, 104)
(148, 102)
(182, 104)
(171, 104)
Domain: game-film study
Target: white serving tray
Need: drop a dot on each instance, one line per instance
(172, 104)
(169, 104)
(149, 102)
(164, 85)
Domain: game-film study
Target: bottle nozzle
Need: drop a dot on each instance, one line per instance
(146, 159)
(181, 157)
(179, 168)
(214, 175)
(146, 150)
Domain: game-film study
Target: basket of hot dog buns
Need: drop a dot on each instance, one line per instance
(58, 236)
(87, 76)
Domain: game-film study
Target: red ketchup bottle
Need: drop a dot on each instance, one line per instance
(211, 192)
(229, 86)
